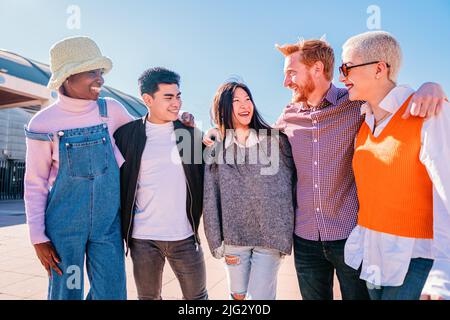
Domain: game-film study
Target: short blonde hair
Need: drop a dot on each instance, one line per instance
(312, 51)
(377, 46)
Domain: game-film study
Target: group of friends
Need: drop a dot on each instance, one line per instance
(354, 181)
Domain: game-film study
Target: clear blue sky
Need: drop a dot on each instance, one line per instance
(208, 41)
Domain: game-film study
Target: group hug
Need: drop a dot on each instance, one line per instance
(352, 181)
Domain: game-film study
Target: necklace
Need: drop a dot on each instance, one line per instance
(380, 121)
(377, 122)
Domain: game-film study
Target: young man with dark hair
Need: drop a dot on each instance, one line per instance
(162, 190)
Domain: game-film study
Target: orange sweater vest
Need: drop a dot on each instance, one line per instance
(394, 190)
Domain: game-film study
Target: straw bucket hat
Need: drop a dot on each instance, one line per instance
(75, 55)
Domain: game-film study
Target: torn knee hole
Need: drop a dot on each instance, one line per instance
(238, 296)
(232, 260)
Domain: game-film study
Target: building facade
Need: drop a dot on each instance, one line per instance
(23, 92)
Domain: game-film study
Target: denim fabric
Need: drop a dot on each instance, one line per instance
(252, 272)
(412, 286)
(316, 262)
(82, 217)
(186, 261)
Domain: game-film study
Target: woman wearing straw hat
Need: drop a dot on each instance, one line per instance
(72, 177)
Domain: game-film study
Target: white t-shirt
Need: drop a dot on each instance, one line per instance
(161, 189)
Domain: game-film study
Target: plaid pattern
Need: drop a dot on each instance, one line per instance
(322, 141)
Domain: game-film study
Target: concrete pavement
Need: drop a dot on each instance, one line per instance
(23, 278)
(12, 213)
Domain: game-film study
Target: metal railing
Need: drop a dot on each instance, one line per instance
(12, 174)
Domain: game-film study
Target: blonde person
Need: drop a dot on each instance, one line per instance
(402, 178)
(248, 196)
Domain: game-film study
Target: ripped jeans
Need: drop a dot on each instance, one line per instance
(252, 272)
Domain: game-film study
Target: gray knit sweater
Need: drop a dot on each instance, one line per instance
(244, 207)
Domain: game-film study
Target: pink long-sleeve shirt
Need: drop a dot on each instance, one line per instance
(42, 158)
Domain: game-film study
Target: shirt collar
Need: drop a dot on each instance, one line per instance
(330, 98)
(393, 100)
(251, 140)
(75, 105)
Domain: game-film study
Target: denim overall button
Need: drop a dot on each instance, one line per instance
(104, 126)
(60, 133)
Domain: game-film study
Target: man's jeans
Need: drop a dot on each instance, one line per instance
(316, 261)
(412, 286)
(252, 272)
(188, 265)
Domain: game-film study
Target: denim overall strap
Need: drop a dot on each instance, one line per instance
(102, 107)
(38, 136)
(83, 219)
(103, 111)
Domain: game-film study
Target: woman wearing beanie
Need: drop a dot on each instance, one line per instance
(72, 178)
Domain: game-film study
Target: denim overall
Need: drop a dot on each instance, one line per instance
(82, 215)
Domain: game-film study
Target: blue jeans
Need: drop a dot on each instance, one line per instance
(252, 272)
(187, 263)
(412, 286)
(316, 261)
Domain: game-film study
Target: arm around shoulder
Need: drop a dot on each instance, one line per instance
(435, 155)
(212, 209)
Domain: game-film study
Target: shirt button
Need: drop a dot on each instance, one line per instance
(318, 210)
(315, 163)
(316, 186)
(315, 121)
(315, 140)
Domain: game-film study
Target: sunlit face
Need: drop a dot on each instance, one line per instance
(85, 85)
(361, 81)
(242, 109)
(165, 104)
(298, 78)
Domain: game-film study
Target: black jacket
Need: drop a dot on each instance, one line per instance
(131, 139)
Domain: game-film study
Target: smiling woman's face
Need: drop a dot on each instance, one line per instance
(242, 109)
(85, 85)
(361, 81)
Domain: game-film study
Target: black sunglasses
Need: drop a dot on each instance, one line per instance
(344, 68)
